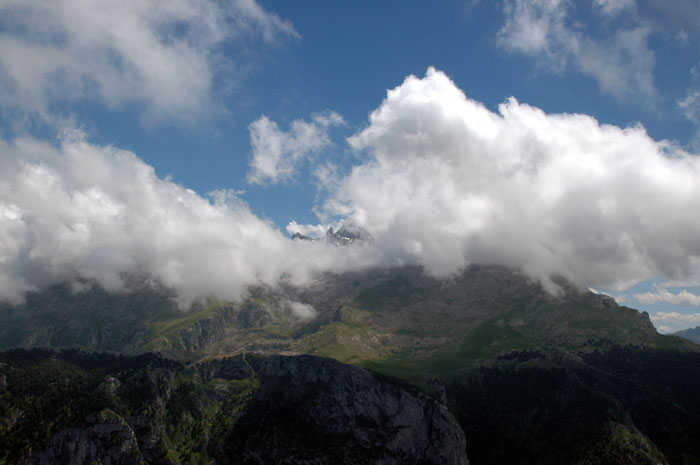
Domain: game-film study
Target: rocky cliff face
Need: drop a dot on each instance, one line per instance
(105, 438)
(204, 332)
(313, 410)
(620, 406)
(247, 409)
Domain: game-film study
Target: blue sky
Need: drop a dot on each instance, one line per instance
(205, 92)
(345, 58)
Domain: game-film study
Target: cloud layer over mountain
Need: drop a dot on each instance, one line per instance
(450, 182)
(88, 211)
(445, 182)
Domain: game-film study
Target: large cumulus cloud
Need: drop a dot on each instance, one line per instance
(449, 182)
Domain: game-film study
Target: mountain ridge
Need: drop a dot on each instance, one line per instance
(71, 407)
(398, 320)
(691, 334)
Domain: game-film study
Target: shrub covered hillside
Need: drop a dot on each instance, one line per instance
(622, 406)
(73, 407)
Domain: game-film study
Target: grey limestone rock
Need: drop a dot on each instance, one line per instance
(311, 408)
(202, 333)
(106, 439)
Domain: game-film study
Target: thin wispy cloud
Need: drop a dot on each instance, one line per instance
(162, 56)
(619, 58)
(614, 7)
(677, 15)
(682, 297)
(689, 104)
(278, 154)
(675, 317)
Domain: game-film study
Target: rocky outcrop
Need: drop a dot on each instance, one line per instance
(105, 438)
(297, 236)
(315, 410)
(204, 332)
(347, 234)
(249, 409)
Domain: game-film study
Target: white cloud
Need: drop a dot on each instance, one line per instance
(683, 37)
(675, 317)
(312, 230)
(445, 182)
(682, 282)
(690, 103)
(88, 211)
(302, 311)
(449, 182)
(663, 329)
(683, 297)
(537, 27)
(613, 7)
(277, 154)
(677, 14)
(620, 61)
(163, 55)
(623, 64)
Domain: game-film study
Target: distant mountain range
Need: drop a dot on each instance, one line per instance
(692, 334)
(531, 377)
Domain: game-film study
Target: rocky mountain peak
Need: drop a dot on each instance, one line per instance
(297, 236)
(346, 235)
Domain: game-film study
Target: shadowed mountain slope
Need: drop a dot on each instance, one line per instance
(399, 320)
(621, 406)
(71, 407)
